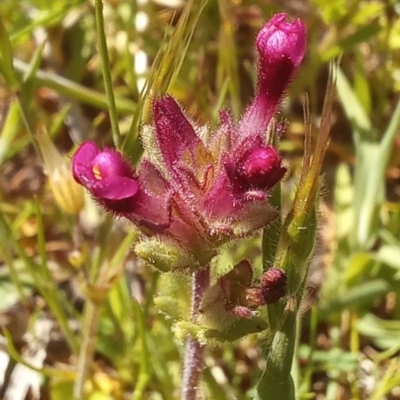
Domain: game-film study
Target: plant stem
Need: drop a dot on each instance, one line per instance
(105, 66)
(91, 315)
(194, 349)
(144, 374)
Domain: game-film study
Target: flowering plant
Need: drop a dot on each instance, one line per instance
(197, 189)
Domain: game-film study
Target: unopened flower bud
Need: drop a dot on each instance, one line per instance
(280, 41)
(274, 285)
(67, 193)
(261, 168)
(281, 47)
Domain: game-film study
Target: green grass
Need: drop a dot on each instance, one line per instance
(73, 78)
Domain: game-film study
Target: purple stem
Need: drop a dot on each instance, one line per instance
(194, 350)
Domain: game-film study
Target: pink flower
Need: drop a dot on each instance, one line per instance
(281, 46)
(199, 187)
(106, 175)
(114, 184)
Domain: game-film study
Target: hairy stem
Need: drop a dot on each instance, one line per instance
(194, 349)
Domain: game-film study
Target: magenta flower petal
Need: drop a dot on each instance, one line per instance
(221, 200)
(108, 163)
(107, 176)
(153, 213)
(82, 162)
(153, 201)
(175, 134)
(115, 188)
(281, 47)
(281, 39)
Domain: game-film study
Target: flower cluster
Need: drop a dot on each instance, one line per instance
(197, 188)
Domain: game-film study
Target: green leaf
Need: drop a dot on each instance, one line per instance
(389, 255)
(343, 198)
(76, 91)
(358, 264)
(355, 112)
(47, 18)
(372, 160)
(11, 127)
(383, 333)
(362, 295)
(29, 78)
(334, 359)
(6, 58)
(241, 328)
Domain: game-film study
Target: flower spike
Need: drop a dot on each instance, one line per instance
(195, 188)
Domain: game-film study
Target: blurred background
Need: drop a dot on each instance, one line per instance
(71, 290)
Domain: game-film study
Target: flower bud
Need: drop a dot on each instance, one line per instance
(67, 193)
(281, 43)
(261, 168)
(281, 46)
(274, 285)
